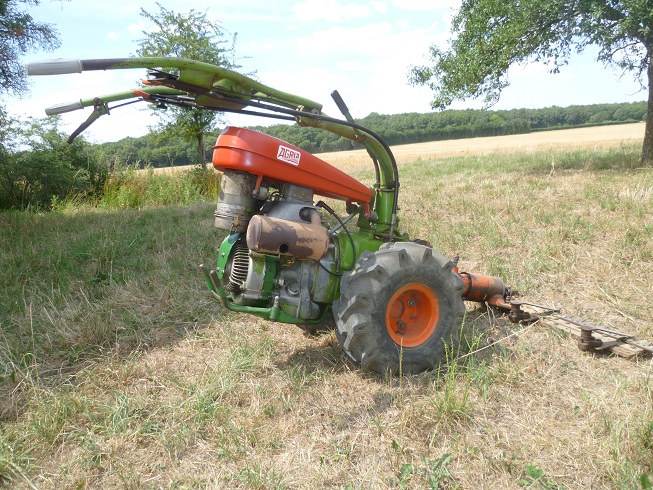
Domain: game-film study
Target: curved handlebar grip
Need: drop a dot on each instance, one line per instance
(54, 67)
(65, 107)
(341, 105)
(339, 102)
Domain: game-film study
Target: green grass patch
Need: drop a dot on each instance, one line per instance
(135, 189)
(79, 282)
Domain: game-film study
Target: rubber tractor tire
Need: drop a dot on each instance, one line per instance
(400, 309)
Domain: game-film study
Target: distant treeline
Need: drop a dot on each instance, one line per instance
(395, 129)
(150, 151)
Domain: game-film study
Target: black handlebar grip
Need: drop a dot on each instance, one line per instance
(341, 104)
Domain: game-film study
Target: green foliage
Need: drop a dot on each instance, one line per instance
(20, 34)
(132, 189)
(14, 457)
(37, 165)
(646, 482)
(87, 263)
(151, 150)
(534, 478)
(491, 35)
(193, 36)
(118, 370)
(40, 170)
(436, 471)
(207, 182)
(155, 150)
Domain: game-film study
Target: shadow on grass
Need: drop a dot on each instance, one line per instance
(81, 285)
(77, 287)
(324, 356)
(486, 334)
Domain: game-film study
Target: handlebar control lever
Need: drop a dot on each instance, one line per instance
(342, 107)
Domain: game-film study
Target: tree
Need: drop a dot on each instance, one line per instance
(488, 36)
(191, 36)
(37, 165)
(19, 34)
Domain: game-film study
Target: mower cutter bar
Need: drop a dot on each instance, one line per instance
(591, 337)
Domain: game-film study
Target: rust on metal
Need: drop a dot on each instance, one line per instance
(488, 289)
(266, 234)
(587, 342)
(235, 201)
(516, 314)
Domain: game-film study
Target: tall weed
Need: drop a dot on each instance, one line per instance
(135, 189)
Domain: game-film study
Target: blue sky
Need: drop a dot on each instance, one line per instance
(364, 49)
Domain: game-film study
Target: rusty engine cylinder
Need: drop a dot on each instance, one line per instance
(266, 234)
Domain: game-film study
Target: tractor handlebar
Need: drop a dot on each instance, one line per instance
(54, 67)
(199, 85)
(63, 108)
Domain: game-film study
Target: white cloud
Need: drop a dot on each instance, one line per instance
(426, 4)
(329, 10)
(380, 7)
(337, 40)
(368, 64)
(137, 28)
(349, 65)
(363, 48)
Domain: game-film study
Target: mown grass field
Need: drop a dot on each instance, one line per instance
(119, 371)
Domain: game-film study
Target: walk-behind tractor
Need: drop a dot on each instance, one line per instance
(397, 303)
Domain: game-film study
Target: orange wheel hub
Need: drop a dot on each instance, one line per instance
(412, 314)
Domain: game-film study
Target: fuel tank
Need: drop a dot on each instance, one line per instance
(277, 161)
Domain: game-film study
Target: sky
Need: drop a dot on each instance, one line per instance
(364, 49)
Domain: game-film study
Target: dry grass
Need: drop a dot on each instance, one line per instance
(229, 401)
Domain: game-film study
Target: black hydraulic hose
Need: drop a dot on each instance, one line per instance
(173, 100)
(124, 104)
(259, 114)
(330, 210)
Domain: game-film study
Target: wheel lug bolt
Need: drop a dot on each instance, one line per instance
(412, 302)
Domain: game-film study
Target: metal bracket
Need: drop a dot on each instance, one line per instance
(100, 108)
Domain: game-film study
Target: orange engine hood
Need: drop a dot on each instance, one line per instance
(264, 156)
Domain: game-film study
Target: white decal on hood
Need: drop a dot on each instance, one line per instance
(288, 155)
